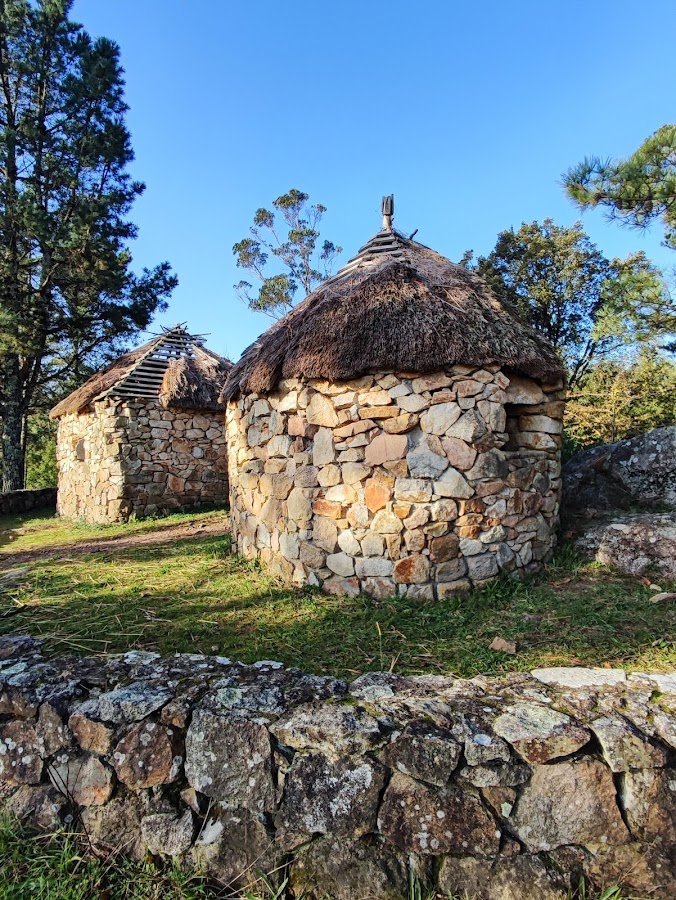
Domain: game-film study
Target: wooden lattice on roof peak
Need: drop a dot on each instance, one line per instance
(174, 368)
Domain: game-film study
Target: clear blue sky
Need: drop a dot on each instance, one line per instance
(468, 112)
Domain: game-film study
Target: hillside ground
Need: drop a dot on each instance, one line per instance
(173, 585)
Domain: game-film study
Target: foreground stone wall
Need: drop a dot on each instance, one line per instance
(128, 458)
(421, 485)
(508, 788)
(12, 502)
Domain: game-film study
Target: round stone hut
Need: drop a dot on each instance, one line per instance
(145, 436)
(399, 431)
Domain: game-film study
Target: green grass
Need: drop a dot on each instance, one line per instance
(32, 531)
(192, 595)
(37, 866)
(60, 867)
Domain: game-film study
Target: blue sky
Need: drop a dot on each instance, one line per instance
(468, 112)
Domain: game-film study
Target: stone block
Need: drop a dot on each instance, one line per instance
(413, 403)
(430, 382)
(324, 533)
(385, 522)
(324, 796)
(412, 490)
(455, 820)
(523, 390)
(340, 586)
(401, 424)
(453, 484)
(341, 564)
(230, 759)
(373, 567)
(322, 448)
(481, 566)
(320, 411)
(469, 427)
(424, 462)
(439, 418)
(372, 544)
(299, 505)
(569, 803)
(82, 777)
(414, 569)
(149, 754)
(541, 423)
(459, 454)
(385, 447)
(376, 494)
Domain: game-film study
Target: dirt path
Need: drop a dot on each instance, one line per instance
(161, 535)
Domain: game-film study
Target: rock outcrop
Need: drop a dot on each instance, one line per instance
(636, 545)
(615, 498)
(506, 788)
(639, 473)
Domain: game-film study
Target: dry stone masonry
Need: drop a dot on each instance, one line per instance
(395, 482)
(145, 435)
(13, 502)
(135, 457)
(503, 788)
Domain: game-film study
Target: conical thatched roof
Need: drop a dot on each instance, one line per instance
(398, 306)
(174, 368)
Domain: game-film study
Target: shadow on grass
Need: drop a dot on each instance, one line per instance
(38, 538)
(192, 596)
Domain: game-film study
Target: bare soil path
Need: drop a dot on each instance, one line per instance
(163, 534)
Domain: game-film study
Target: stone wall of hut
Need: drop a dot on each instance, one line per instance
(124, 458)
(395, 482)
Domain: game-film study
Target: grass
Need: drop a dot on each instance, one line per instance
(38, 866)
(191, 595)
(44, 530)
(59, 867)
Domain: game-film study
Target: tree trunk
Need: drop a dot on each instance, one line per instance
(12, 456)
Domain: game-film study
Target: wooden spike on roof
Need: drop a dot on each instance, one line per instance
(395, 306)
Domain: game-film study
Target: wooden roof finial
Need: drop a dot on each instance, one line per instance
(388, 212)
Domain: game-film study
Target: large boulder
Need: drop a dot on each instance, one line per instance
(617, 499)
(639, 473)
(635, 545)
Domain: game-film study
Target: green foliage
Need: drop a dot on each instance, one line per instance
(636, 190)
(294, 247)
(621, 398)
(68, 293)
(41, 471)
(586, 305)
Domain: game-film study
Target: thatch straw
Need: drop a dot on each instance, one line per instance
(193, 379)
(195, 382)
(101, 382)
(411, 310)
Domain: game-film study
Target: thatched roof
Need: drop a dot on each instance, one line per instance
(396, 306)
(195, 382)
(174, 368)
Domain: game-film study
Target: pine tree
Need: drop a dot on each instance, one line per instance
(67, 290)
(636, 190)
